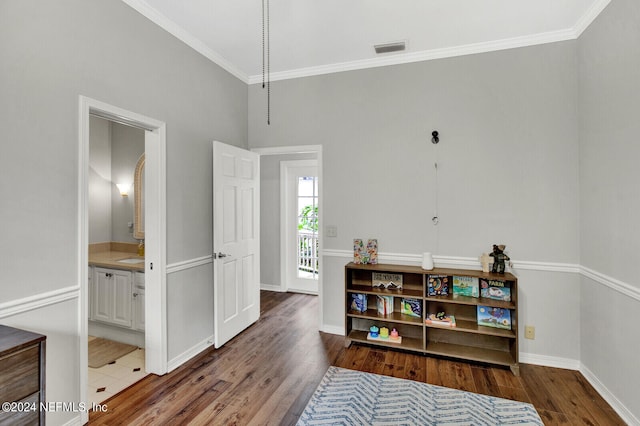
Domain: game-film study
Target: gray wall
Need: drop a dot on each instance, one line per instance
(270, 216)
(100, 197)
(508, 167)
(53, 52)
(609, 59)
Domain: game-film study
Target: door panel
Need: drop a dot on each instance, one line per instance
(236, 230)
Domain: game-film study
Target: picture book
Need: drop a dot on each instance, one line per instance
(441, 320)
(385, 304)
(438, 285)
(358, 302)
(494, 317)
(465, 286)
(495, 289)
(412, 307)
(388, 281)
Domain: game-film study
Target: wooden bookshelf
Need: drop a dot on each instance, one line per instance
(467, 341)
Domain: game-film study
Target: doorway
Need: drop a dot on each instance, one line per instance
(155, 233)
(300, 199)
(272, 258)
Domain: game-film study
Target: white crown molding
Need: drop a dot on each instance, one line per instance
(174, 29)
(38, 301)
(590, 15)
(608, 396)
(424, 55)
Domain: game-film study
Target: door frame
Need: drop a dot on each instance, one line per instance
(307, 149)
(285, 219)
(156, 292)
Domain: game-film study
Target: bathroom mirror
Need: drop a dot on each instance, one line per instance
(138, 188)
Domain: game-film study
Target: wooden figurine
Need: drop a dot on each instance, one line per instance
(498, 258)
(485, 260)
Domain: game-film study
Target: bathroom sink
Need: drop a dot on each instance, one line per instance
(131, 260)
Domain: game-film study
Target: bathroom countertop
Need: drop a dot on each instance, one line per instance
(107, 255)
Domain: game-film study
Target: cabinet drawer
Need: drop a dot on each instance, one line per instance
(19, 374)
(25, 417)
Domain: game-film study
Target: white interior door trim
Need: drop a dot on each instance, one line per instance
(305, 149)
(155, 306)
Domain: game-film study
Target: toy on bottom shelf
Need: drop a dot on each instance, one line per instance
(441, 319)
(383, 334)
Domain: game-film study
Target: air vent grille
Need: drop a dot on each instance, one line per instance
(390, 47)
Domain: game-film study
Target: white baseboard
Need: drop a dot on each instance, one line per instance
(271, 287)
(611, 399)
(549, 361)
(332, 329)
(189, 353)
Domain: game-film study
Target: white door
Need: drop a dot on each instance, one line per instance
(236, 240)
(299, 192)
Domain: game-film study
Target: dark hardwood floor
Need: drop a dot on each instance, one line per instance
(266, 375)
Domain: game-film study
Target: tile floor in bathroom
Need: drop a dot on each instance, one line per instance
(115, 377)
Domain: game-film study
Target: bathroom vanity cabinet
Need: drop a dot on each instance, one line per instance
(117, 297)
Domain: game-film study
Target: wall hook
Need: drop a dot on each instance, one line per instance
(435, 139)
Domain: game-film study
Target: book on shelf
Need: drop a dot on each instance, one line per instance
(465, 286)
(441, 320)
(385, 304)
(411, 307)
(494, 317)
(358, 302)
(438, 285)
(495, 289)
(372, 251)
(386, 281)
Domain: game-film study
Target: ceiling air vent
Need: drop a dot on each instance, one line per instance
(390, 47)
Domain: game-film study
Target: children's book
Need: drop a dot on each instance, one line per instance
(438, 285)
(359, 254)
(412, 307)
(358, 302)
(465, 286)
(495, 289)
(385, 304)
(494, 317)
(441, 320)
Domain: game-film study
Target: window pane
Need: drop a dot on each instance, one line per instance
(305, 186)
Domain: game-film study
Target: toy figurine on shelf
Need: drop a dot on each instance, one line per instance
(374, 331)
(498, 258)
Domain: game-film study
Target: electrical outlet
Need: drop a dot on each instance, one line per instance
(529, 332)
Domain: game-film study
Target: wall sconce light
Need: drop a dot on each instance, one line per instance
(123, 188)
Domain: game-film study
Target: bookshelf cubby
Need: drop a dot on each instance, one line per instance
(468, 340)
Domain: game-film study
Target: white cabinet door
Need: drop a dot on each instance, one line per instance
(102, 294)
(112, 296)
(92, 291)
(122, 298)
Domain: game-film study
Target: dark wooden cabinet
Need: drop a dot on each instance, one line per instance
(469, 340)
(22, 376)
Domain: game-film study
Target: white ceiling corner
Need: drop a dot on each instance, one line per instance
(311, 38)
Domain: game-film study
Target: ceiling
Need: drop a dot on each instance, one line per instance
(310, 37)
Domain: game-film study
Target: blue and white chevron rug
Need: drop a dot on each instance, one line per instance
(347, 397)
